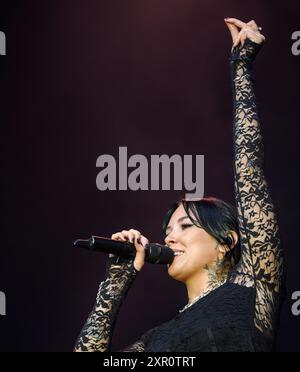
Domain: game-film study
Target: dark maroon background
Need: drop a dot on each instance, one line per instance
(82, 78)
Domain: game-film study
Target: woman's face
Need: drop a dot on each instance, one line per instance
(200, 248)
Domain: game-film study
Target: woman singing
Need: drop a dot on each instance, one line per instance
(229, 258)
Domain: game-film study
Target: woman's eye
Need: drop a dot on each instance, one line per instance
(185, 226)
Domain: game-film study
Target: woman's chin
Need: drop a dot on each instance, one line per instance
(175, 271)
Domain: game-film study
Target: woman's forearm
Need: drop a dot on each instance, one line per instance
(96, 334)
(248, 141)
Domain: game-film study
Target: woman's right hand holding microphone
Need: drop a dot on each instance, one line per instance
(139, 241)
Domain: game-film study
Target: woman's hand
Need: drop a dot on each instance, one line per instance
(140, 241)
(240, 31)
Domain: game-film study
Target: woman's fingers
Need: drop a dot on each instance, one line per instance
(247, 33)
(139, 241)
(234, 31)
(120, 236)
(130, 234)
(236, 22)
(252, 24)
(144, 240)
(242, 36)
(248, 30)
(252, 35)
(134, 236)
(238, 39)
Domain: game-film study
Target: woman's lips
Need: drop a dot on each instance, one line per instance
(176, 258)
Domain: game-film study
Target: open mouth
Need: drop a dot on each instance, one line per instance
(177, 255)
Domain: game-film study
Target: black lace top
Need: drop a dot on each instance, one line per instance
(241, 314)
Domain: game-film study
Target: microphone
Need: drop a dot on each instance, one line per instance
(154, 253)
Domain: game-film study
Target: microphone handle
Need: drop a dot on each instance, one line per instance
(119, 248)
(154, 253)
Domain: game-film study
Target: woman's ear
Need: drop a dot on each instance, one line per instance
(231, 241)
(234, 238)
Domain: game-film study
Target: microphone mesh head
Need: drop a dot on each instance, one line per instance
(159, 254)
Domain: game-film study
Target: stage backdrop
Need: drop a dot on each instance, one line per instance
(80, 79)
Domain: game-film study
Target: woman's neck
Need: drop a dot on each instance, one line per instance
(206, 280)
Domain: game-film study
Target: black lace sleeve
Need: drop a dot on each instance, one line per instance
(96, 334)
(261, 264)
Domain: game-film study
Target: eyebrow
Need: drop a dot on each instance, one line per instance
(179, 220)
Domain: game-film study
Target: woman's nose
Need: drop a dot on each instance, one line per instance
(171, 238)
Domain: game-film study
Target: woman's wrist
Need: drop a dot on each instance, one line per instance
(247, 53)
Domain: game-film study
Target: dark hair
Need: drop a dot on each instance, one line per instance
(213, 215)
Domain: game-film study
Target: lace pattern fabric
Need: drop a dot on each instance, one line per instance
(261, 264)
(96, 334)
